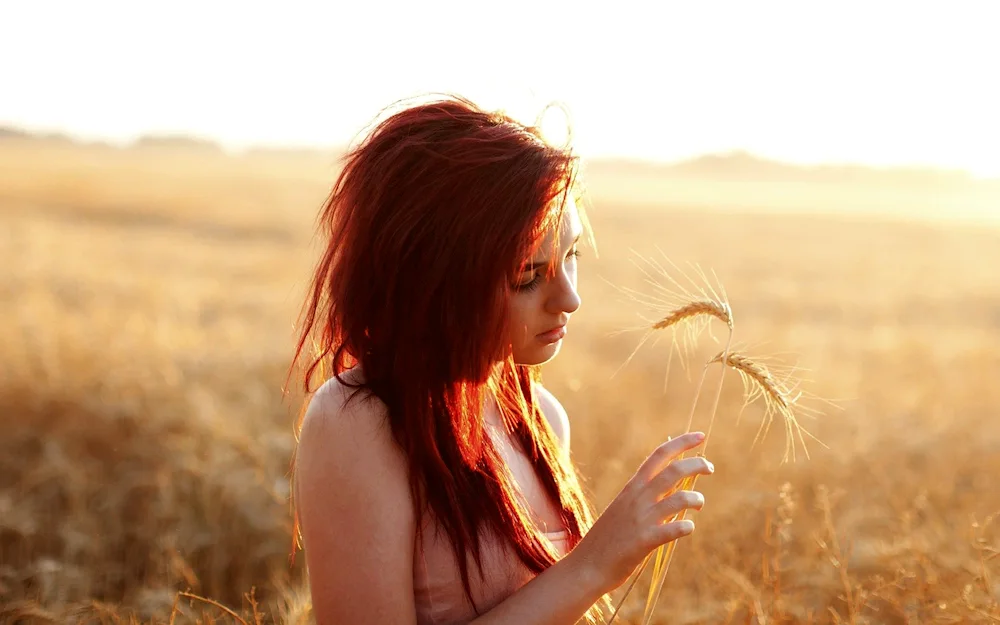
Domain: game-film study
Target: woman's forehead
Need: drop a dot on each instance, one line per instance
(568, 229)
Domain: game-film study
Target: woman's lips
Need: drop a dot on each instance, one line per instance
(553, 335)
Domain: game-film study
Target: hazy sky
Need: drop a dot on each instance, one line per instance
(871, 82)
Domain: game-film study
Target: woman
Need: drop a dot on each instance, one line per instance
(433, 476)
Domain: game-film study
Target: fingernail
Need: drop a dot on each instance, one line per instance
(699, 436)
(711, 467)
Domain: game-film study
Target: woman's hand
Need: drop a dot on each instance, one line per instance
(635, 522)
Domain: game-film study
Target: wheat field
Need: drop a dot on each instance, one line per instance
(149, 297)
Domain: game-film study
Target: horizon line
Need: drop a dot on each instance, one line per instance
(163, 139)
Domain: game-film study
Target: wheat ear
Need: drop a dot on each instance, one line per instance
(719, 310)
(778, 395)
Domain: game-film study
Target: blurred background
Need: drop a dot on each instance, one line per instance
(836, 165)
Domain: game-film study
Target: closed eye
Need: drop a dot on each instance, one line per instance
(529, 286)
(539, 273)
(537, 270)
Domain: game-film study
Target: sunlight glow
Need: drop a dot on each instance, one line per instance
(554, 124)
(888, 83)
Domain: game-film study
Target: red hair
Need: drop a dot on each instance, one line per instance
(427, 226)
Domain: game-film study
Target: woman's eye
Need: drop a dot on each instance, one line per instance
(531, 282)
(530, 285)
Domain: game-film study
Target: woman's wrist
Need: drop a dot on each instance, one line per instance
(587, 574)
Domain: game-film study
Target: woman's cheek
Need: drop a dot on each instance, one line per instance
(520, 321)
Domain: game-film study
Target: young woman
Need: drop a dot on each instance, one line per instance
(433, 479)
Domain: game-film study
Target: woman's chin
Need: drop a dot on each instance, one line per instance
(537, 354)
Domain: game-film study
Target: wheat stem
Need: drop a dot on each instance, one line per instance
(667, 551)
(723, 312)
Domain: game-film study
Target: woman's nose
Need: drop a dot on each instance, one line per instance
(564, 297)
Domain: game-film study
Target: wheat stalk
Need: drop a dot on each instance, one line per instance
(665, 553)
(779, 397)
(719, 309)
(759, 382)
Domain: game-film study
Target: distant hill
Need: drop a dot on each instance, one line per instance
(732, 166)
(9, 132)
(177, 142)
(745, 166)
(304, 153)
(12, 133)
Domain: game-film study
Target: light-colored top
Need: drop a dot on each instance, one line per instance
(439, 595)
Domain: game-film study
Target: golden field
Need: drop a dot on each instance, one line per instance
(149, 297)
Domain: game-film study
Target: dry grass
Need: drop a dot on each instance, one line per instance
(147, 328)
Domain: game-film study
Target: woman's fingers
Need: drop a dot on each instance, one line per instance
(667, 479)
(677, 503)
(669, 532)
(666, 452)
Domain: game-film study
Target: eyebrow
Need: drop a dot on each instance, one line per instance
(533, 266)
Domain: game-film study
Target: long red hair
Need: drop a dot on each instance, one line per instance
(427, 225)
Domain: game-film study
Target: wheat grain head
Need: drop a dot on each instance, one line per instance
(710, 308)
(780, 396)
(681, 303)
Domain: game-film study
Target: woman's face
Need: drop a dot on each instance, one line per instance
(543, 299)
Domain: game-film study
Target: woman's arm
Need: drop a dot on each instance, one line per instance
(634, 524)
(356, 511)
(559, 595)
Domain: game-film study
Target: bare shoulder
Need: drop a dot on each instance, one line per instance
(555, 413)
(346, 442)
(355, 509)
(340, 419)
